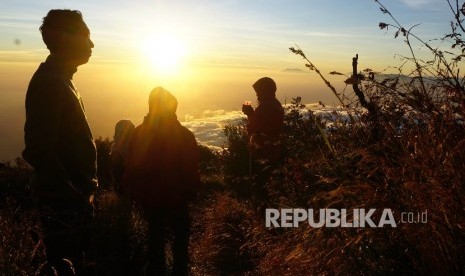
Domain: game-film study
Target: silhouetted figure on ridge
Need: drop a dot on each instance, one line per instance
(265, 123)
(264, 127)
(59, 144)
(119, 150)
(162, 175)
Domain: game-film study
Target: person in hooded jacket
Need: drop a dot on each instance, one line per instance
(265, 123)
(264, 126)
(162, 176)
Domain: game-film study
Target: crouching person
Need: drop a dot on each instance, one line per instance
(162, 176)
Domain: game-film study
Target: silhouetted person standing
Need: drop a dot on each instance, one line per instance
(265, 123)
(119, 150)
(162, 176)
(59, 143)
(264, 127)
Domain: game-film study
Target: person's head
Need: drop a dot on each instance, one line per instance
(265, 89)
(123, 133)
(123, 129)
(162, 102)
(66, 34)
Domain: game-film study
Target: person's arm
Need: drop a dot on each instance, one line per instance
(190, 165)
(255, 121)
(44, 109)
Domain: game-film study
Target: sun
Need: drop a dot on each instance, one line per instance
(165, 52)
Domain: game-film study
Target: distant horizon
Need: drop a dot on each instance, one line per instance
(207, 125)
(206, 53)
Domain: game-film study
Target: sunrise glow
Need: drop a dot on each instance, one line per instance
(164, 52)
(207, 53)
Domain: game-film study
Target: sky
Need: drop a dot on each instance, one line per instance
(207, 53)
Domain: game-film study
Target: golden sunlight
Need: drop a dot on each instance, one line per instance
(165, 52)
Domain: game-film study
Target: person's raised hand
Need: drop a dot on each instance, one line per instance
(247, 109)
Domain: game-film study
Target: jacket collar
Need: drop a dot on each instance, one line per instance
(157, 120)
(59, 65)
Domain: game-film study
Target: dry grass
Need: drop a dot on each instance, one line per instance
(414, 163)
(221, 230)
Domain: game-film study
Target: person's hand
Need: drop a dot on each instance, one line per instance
(247, 109)
(88, 187)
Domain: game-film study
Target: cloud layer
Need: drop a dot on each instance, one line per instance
(418, 3)
(208, 128)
